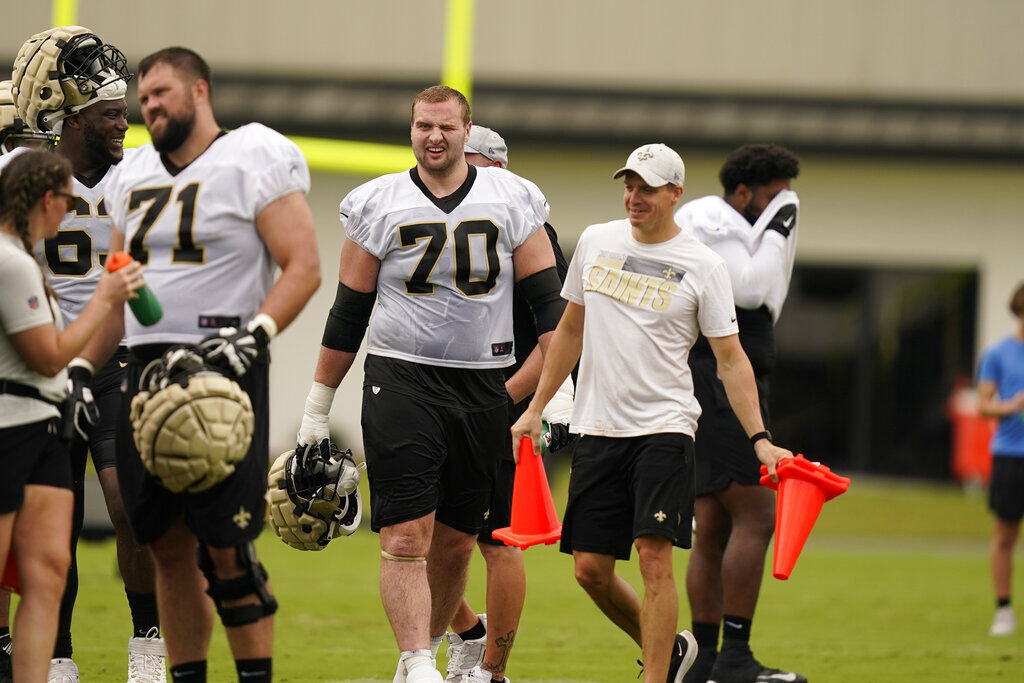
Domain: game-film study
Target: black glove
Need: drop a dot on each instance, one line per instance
(559, 436)
(80, 409)
(234, 350)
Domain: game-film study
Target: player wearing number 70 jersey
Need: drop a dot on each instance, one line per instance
(209, 213)
(437, 248)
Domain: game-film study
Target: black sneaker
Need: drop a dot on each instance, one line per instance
(6, 676)
(701, 668)
(684, 651)
(736, 664)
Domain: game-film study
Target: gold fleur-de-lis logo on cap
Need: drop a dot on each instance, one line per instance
(644, 155)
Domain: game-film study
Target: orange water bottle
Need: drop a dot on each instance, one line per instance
(145, 306)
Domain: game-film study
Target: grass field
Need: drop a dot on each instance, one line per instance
(893, 585)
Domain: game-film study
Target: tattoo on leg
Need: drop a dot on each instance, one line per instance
(504, 644)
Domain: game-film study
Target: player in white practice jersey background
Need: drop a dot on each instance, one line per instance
(209, 213)
(438, 249)
(753, 227)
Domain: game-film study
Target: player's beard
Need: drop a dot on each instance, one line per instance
(176, 131)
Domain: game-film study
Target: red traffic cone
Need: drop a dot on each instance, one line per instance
(10, 582)
(533, 512)
(803, 488)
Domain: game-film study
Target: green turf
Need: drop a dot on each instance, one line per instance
(892, 586)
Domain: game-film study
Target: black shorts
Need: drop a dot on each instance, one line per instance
(31, 454)
(723, 450)
(229, 513)
(1006, 487)
(106, 390)
(623, 488)
(499, 514)
(422, 458)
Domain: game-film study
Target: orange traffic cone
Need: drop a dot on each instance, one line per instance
(533, 512)
(10, 582)
(803, 488)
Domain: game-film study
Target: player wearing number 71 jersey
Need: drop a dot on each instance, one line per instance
(437, 248)
(209, 213)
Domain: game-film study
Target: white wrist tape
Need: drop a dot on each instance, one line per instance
(316, 415)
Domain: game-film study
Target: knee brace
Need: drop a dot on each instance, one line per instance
(252, 582)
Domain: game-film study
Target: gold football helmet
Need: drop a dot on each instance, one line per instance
(63, 70)
(12, 127)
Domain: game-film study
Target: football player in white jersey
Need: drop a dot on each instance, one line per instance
(235, 207)
(639, 291)
(437, 248)
(753, 227)
(69, 82)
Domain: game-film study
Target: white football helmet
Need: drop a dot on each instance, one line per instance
(11, 126)
(61, 71)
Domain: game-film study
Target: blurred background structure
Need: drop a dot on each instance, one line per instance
(908, 116)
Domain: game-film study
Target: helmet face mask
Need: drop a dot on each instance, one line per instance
(63, 70)
(91, 64)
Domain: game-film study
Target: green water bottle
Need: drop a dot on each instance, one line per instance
(145, 306)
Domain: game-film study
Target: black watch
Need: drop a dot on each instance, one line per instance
(760, 435)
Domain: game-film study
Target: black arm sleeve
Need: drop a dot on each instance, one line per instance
(348, 318)
(543, 291)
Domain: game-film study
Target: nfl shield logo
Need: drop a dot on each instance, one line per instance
(33, 302)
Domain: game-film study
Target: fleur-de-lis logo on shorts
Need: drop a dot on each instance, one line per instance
(660, 516)
(242, 517)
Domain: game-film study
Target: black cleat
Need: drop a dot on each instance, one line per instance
(736, 664)
(701, 668)
(684, 652)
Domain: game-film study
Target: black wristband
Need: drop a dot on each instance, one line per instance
(79, 373)
(760, 435)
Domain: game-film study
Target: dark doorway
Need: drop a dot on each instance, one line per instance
(867, 358)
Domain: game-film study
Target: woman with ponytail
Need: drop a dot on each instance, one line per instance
(35, 470)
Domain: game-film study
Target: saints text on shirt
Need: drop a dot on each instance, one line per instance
(635, 281)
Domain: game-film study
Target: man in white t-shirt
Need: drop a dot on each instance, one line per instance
(639, 291)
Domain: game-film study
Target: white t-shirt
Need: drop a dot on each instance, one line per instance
(444, 291)
(194, 231)
(760, 260)
(23, 306)
(645, 304)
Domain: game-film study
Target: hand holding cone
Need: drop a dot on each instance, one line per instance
(803, 488)
(533, 511)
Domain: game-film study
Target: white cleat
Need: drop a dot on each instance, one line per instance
(1004, 623)
(146, 658)
(478, 675)
(62, 670)
(464, 656)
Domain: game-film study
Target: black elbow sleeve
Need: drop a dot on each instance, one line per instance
(543, 291)
(348, 318)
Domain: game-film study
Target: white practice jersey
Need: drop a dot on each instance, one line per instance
(194, 229)
(444, 292)
(74, 259)
(645, 304)
(760, 258)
